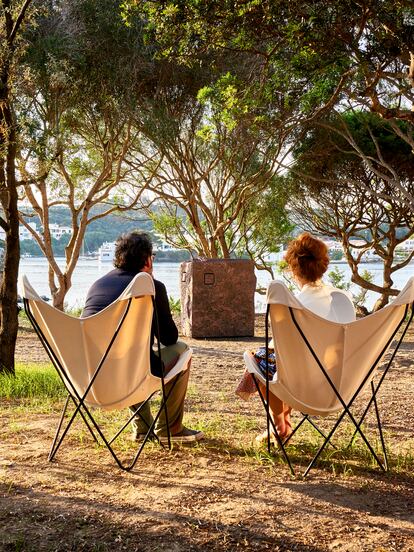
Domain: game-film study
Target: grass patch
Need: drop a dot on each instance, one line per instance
(32, 381)
(37, 389)
(24, 322)
(343, 460)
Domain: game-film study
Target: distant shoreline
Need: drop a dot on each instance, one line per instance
(163, 259)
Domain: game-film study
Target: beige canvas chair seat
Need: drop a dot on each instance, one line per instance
(103, 359)
(323, 365)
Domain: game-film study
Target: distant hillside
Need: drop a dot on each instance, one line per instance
(105, 229)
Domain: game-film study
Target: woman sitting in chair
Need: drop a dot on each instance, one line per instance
(307, 259)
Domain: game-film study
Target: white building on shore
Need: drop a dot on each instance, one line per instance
(57, 231)
(406, 246)
(25, 234)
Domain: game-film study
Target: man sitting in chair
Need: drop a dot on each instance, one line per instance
(133, 254)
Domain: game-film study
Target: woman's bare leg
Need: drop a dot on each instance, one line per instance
(279, 411)
(288, 424)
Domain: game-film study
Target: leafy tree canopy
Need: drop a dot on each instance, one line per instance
(354, 138)
(310, 53)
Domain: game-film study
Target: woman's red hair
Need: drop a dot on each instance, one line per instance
(307, 257)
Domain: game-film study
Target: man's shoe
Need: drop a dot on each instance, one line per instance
(138, 437)
(185, 436)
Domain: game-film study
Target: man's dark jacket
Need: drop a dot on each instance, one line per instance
(108, 288)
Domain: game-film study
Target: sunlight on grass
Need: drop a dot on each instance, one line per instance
(32, 381)
(37, 390)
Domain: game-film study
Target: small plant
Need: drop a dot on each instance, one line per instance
(175, 305)
(361, 296)
(75, 310)
(282, 269)
(336, 255)
(337, 279)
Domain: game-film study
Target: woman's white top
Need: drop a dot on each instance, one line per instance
(328, 302)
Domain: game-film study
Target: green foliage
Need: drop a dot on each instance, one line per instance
(225, 100)
(337, 279)
(336, 255)
(361, 295)
(325, 151)
(175, 305)
(74, 311)
(282, 269)
(99, 231)
(169, 224)
(32, 381)
(220, 207)
(86, 51)
(266, 221)
(294, 56)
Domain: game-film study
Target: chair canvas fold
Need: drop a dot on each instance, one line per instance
(323, 365)
(103, 359)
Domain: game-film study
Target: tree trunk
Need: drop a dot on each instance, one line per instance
(60, 293)
(387, 283)
(8, 298)
(8, 190)
(8, 290)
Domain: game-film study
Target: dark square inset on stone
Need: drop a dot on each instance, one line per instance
(209, 278)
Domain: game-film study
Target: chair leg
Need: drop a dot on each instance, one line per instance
(55, 447)
(373, 399)
(151, 431)
(364, 414)
(141, 447)
(52, 451)
(361, 420)
(270, 423)
(384, 451)
(79, 406)
(307, 418)
(87, 423)
(321, 448)
(147, 436)
(358, 429)
(136, 413)
(318, 429)
(164, 400)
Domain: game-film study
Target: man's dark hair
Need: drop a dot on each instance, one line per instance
(132, 251)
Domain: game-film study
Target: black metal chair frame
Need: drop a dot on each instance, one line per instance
(79, 401)
(346, 406)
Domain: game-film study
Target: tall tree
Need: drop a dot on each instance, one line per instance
(84, 167)
(208, 176)
(313, 55)
(85, 76)
(356, 180)
(329, 48)
(14, 16)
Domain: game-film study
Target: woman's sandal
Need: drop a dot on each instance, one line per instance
(261, 439)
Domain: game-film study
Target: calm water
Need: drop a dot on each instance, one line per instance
(87, 271)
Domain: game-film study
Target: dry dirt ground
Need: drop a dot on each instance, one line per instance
(215, 496)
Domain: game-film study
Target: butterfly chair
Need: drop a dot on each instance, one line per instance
(104, 359)
(323, 366)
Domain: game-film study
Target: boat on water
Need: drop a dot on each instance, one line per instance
(106, 252)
